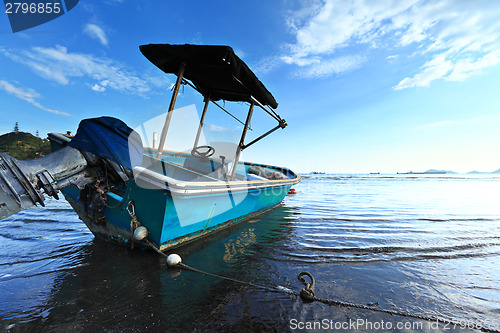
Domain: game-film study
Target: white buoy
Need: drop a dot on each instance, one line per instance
(140, 233)
(173, 260)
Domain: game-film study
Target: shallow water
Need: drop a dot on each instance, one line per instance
(423, 244)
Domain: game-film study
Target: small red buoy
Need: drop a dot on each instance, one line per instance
(292, 191)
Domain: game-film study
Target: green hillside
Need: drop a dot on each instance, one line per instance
(23, 146)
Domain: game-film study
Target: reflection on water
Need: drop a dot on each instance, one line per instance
(426, 245)
(238, 247)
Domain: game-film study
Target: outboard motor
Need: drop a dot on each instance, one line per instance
(22, 182)
(103, 147)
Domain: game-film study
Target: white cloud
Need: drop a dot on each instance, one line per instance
(434, 69)
(392, 58)
(215, 128)
(97, 87)
(466, 67)
(267, 65)
(28, 95)
(96, 32)
(322, 68)
(240, 53)
(61, 66)
(458, 38)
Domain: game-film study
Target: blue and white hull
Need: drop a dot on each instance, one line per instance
(175, 212)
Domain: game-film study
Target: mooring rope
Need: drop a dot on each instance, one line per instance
(307, 295)
(180, 265)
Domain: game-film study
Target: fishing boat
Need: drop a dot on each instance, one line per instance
(134, 194)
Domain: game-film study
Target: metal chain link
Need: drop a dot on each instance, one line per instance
(307, 294)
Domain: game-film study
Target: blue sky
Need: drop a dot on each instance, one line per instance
(365, 86)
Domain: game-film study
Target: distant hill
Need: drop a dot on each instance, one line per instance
(482, 172)
(434, 171)
(24, 146)
(437, 172)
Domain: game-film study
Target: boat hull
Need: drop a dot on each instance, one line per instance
(174, 219)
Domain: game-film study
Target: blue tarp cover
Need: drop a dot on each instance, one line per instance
(110, 138)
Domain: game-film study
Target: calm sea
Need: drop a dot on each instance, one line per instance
(423, 244)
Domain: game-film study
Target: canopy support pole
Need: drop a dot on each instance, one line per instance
(242, 141)
(170, 109)
(282, 124)
(263, 107)
(202, 119)
(229, 113)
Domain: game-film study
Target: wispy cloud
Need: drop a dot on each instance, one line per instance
(267, 65)
(433, 69)
(458, 38)
(466, 123)
(392, 58)
(440, 124)
(325, 67)
(96, 32)
(60, 65)
(28, 95)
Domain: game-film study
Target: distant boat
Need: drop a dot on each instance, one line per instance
(130, 194)
(318, 172)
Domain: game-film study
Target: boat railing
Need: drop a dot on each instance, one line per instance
(152, 180)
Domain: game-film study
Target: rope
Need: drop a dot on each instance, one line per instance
(111, 207)
(118, 204)
(192, 269)
(108, 188)
(134, 223)
(307, 295)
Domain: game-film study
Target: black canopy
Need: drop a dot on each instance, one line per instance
(213, 69)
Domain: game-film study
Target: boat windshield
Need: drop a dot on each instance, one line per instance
(206, 154)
